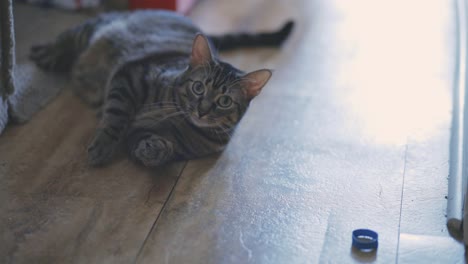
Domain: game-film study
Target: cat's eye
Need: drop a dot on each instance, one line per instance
(224, 101)
(198, 88)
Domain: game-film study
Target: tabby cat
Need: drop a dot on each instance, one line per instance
(163, 91)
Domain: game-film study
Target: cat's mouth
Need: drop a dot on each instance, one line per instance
(199, 121)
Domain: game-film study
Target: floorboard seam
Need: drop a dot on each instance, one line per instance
(405, 161)
(153, 226)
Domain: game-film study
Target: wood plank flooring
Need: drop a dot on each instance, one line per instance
(55, 208)
(351, 132)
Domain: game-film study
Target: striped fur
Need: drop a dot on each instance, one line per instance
(164, 93)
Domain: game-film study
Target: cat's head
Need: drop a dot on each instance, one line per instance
(215, 93)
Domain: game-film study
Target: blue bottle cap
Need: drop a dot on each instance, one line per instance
(365, 239)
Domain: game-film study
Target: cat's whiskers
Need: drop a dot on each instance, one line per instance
(223, 134)
(156, 108)
(161, 104)
(153, 121)
(218, 129)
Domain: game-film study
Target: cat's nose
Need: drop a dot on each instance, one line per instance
(204, 109)
(202, 113)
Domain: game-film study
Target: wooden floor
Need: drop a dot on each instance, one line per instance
(351, 132)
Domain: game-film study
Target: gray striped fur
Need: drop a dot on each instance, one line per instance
(163, 91)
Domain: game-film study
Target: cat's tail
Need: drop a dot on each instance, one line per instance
(248, 40)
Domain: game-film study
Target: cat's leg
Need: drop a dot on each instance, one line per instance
(151, 149)
(121, 104)
(60, 54)
(92, 70)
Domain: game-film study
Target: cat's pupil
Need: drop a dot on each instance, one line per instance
(225, 101)
(198, 88)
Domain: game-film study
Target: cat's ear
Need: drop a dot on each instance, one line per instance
(201, 52)
(254, 82)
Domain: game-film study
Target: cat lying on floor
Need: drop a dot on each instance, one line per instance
(163, 91)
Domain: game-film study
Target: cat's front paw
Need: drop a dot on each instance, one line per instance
(101, 150)
(153, 151)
